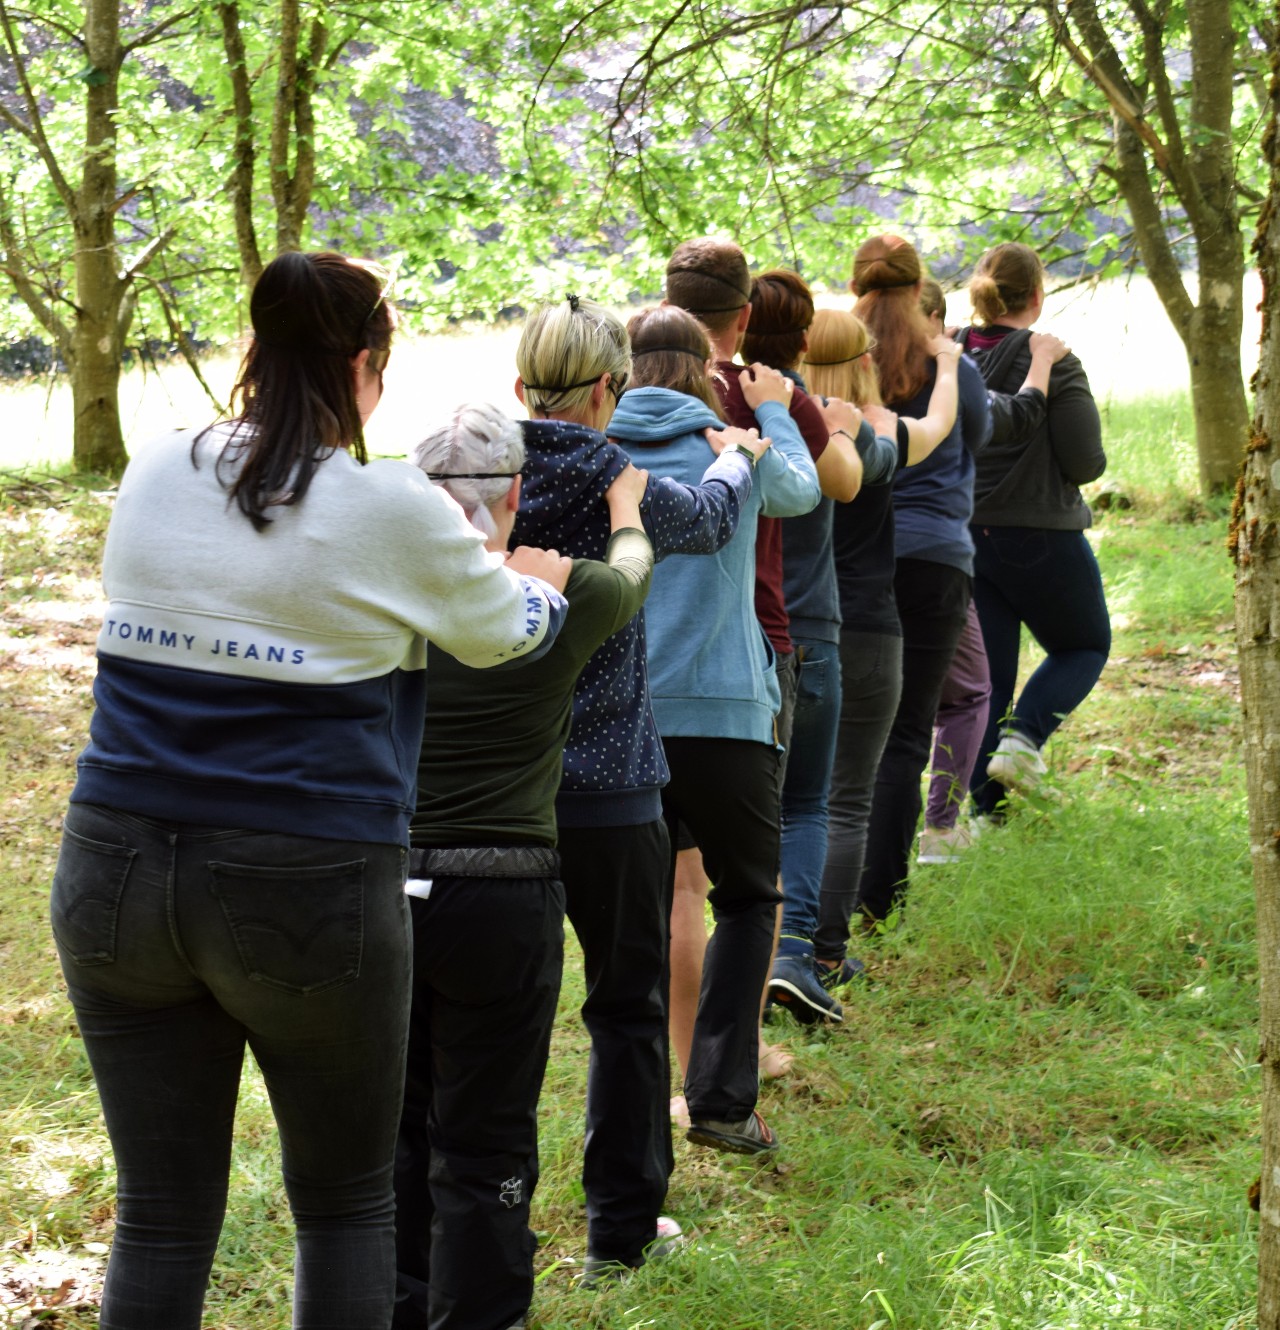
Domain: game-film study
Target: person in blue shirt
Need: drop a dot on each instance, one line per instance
(715, 697)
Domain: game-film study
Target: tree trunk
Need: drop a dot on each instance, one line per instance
(1217, 390)
(96, 338)
(1255, 546)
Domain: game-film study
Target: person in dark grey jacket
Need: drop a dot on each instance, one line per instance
(1032, 563)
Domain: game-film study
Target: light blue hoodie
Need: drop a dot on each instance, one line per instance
(710, 667)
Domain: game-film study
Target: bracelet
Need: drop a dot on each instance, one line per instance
(736, 447)
(852, 438)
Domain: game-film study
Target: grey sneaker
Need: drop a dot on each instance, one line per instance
(750, 1137)
(794, 985)
(597, 1271)
(1016, 764)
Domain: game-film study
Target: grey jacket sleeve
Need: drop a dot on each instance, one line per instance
(1075, 428)
(1017, 415)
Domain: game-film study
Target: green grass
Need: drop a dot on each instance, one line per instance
(1040, 1113)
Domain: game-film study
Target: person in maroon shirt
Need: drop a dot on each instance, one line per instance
(709, 277)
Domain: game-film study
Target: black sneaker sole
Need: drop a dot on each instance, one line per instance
(785, 995)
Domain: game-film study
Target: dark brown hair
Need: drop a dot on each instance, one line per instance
(838, 362)
(781, 312)
(670, 349)
(709, 278)
(885, 272)
(1005, 281)
(295, 397)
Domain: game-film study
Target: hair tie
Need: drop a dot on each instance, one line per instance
(573, 304)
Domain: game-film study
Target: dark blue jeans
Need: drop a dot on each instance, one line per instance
(180, 946)
(804, 791)
(1049, 581)
(487, 959)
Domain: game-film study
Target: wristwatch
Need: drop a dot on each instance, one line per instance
(742, 448)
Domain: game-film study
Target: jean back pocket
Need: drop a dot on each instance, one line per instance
(298, 929)
(84, 906)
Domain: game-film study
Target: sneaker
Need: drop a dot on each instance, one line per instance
(596, 1270)
(794, 985)
(750, 1137)
(944, 845)
(836, 976)
(1016, 764)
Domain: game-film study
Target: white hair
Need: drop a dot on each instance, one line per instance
(479, 440)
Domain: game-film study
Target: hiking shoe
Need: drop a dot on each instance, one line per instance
(944, 845)
(1016, 764)
(836, 976)
(597, 1270)
(750, 1137)
(794, 985)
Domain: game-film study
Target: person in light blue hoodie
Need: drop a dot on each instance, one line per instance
(711, 678)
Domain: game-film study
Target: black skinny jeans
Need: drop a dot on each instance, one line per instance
(726, 791)
(618, 898)
(180, 946)
(933, 603)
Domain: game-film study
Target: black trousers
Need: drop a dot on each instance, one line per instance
(488, 955)
(726, 791)
(933, 602)
(618, 898)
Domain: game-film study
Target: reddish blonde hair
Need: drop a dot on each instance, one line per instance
(886, 272)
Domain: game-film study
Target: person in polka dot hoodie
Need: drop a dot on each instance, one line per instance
(574, 359)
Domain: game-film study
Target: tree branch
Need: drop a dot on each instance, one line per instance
(35, 130)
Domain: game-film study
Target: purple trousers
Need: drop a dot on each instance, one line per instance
(959, 726)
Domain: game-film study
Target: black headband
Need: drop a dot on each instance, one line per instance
(845, 361)
(472, 475)
(678, 350)
(564, 387)
(711, 277)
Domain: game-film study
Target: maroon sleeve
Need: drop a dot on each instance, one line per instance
(809, 421)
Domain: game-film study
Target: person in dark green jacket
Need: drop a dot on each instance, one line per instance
(487, 908)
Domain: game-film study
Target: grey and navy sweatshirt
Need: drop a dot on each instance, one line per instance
(614, 766)
(274, 680)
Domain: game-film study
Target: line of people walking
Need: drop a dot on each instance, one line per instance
(367, 732)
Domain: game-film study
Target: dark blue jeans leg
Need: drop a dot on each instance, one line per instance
(805, 789)
(726, 792)
(933, 600)
(1049, 581)
(180, 945)
(618, 898)
(871, 683)
(488, 957)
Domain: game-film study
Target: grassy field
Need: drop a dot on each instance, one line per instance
(1040, 1113)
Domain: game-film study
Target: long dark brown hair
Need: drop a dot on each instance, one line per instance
(294, 401)
(885, 272)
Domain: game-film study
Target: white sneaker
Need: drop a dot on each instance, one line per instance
(1016, 764)
(944, 845)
